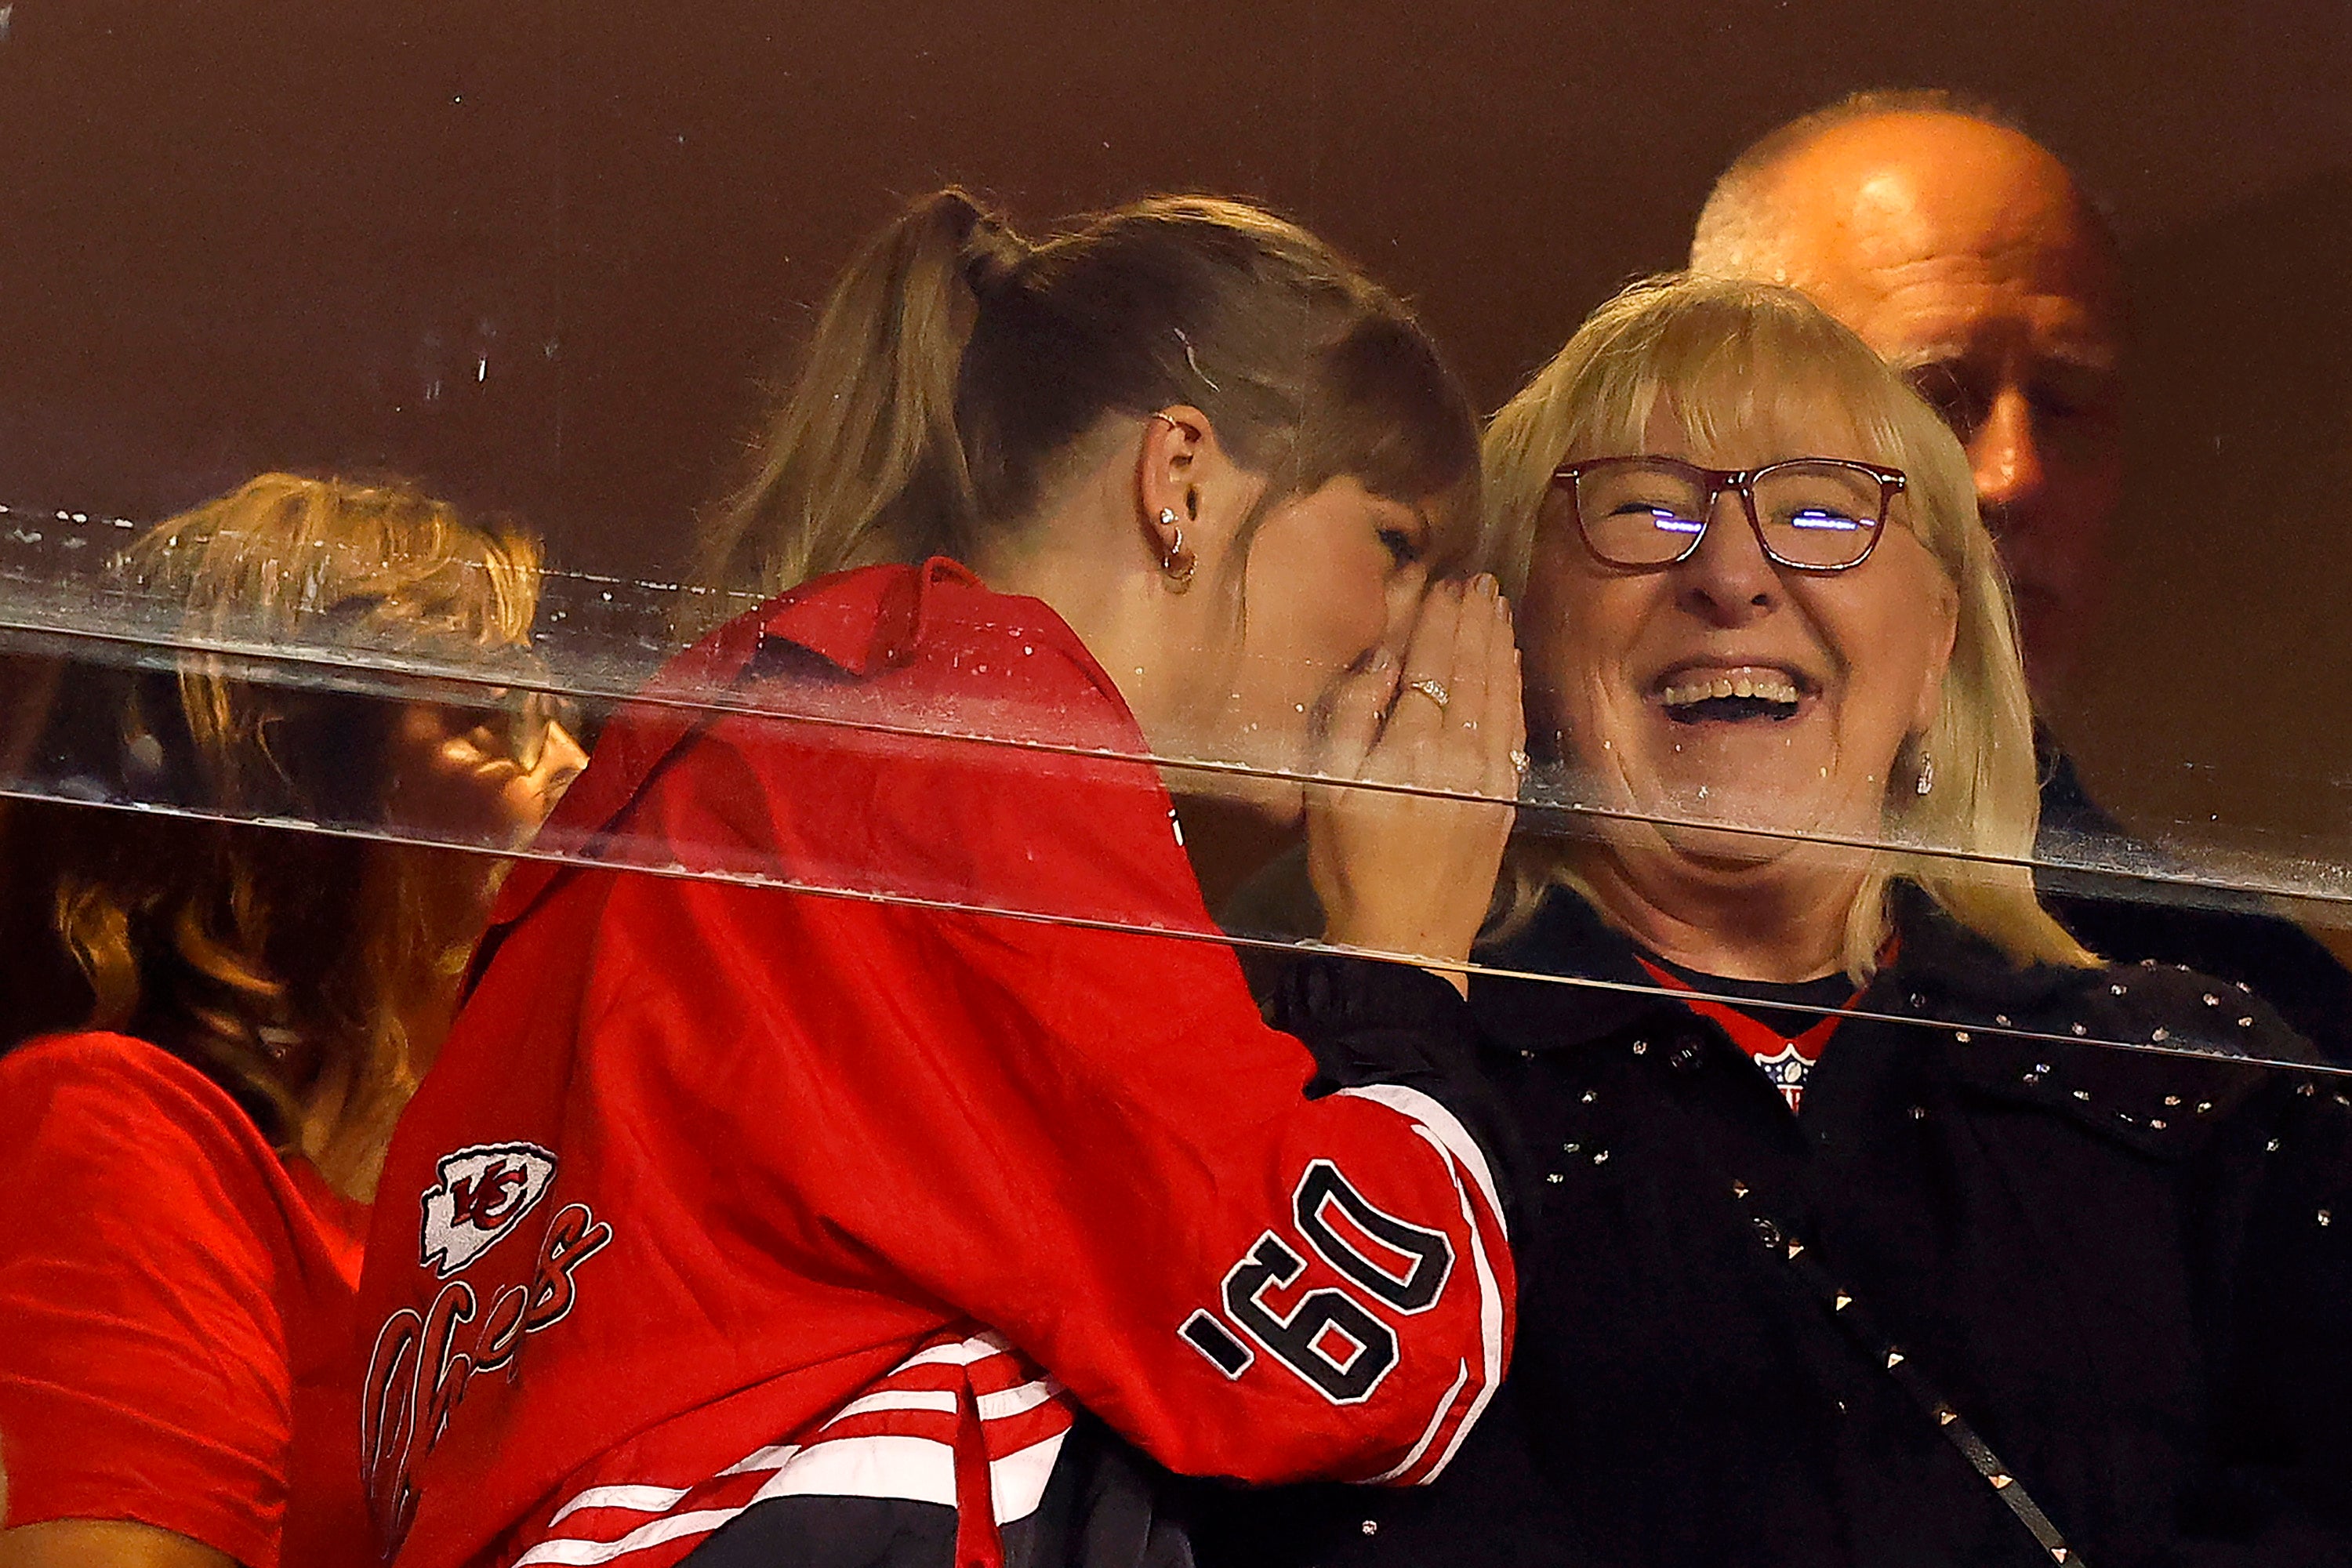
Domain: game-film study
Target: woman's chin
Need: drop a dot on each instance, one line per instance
(1723, 848)
(1733, 828)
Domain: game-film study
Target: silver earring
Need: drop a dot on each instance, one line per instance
(1175, 561)
(1927, 780)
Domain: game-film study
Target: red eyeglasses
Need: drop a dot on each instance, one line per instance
(1810, 514)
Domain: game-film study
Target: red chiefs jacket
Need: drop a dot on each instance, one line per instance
(726, 1192)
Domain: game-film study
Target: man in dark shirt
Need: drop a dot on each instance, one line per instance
(1967, 256)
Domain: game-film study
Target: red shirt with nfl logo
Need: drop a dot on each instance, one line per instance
(723, 1192)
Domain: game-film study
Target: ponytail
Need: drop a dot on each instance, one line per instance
(954, 363)
(862, 463)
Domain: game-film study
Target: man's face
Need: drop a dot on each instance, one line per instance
(1961, 253)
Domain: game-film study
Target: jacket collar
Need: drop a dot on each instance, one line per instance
(1567, 939)
(2024, 1037)
(1942, 971)
(859, 623)
(871, 621)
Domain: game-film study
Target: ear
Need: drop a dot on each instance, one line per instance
(1178, 444)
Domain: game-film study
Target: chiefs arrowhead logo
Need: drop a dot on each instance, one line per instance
(484, 1193)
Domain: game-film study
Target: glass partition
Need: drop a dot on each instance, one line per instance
(605, 650)
(549, 266)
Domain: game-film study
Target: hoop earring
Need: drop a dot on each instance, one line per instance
(1176, 563)
(1927, 779)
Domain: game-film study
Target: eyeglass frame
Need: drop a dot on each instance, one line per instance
(1892, 483)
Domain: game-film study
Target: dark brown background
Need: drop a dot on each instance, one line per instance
(540, 251)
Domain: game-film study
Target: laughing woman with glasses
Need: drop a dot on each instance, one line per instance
(1855, 1242)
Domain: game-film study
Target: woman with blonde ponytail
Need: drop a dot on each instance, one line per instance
(228, 1016)
(861, 462)
(1086, 554)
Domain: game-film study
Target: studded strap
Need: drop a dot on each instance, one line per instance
(1860, 1327)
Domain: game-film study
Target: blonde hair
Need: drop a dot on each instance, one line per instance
(955, 363)
(282, 964)
(1726, 355)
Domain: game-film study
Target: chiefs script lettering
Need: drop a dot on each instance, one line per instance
(422, 1361)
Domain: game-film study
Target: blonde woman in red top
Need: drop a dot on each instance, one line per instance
(227, 1017)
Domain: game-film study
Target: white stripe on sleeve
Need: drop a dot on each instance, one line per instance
(1460, 1152)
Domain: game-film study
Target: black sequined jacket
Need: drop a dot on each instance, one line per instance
(1754, 1337)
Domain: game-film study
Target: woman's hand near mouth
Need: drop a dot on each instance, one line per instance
(1410, 868)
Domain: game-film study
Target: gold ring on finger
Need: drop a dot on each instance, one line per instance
(1432, 690)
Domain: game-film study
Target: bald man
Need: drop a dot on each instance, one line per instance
(1969, 257)
(1964, 252)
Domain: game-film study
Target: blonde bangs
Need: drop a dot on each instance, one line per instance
(1732, 360)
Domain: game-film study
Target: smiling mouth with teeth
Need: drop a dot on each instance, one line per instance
(1732, 696)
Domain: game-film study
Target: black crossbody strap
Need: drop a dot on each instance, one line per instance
(1865, 1332)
